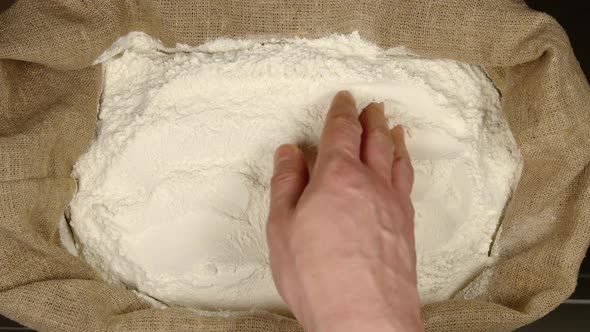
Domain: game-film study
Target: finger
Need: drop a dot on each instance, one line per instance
(376, 145)
(342, 131)
(402, 172)
(288, 182)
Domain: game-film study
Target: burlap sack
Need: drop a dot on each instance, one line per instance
(48, 100)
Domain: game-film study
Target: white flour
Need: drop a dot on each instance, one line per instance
(173, 193)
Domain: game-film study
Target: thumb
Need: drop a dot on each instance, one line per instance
(289, 180)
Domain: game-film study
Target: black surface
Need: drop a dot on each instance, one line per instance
(8, 325)
(573, 16)
(568, 317)
(5, 322)
(585, 268)
(5, 4)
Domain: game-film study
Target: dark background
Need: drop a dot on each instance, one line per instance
(574, 314)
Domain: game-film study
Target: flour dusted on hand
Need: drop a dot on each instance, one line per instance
(173, 193)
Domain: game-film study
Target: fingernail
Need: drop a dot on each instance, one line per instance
(377, 109)
(376, 105)
(285, 152)
(381, 107)
(345, 93)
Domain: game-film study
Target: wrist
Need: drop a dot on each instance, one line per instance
(362, 316)
(347, 316)
(335, 304)
(353, 324)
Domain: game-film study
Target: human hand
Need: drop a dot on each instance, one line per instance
(341, 242)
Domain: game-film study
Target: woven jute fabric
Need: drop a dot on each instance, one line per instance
(49, 94)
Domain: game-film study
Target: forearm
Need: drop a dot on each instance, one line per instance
(353, 322)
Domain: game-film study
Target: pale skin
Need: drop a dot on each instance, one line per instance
(341, 239)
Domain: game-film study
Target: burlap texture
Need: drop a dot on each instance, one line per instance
(48, 100)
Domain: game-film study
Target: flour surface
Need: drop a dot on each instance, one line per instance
(173, 193)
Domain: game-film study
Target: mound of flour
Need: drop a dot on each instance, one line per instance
(173, 193)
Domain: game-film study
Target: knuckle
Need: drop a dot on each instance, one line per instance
(347, 124)
(409, 171)
(405, 167)
(342, 166)
(379, 134)
(285, 175)
(404, 208)
(290, 166)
